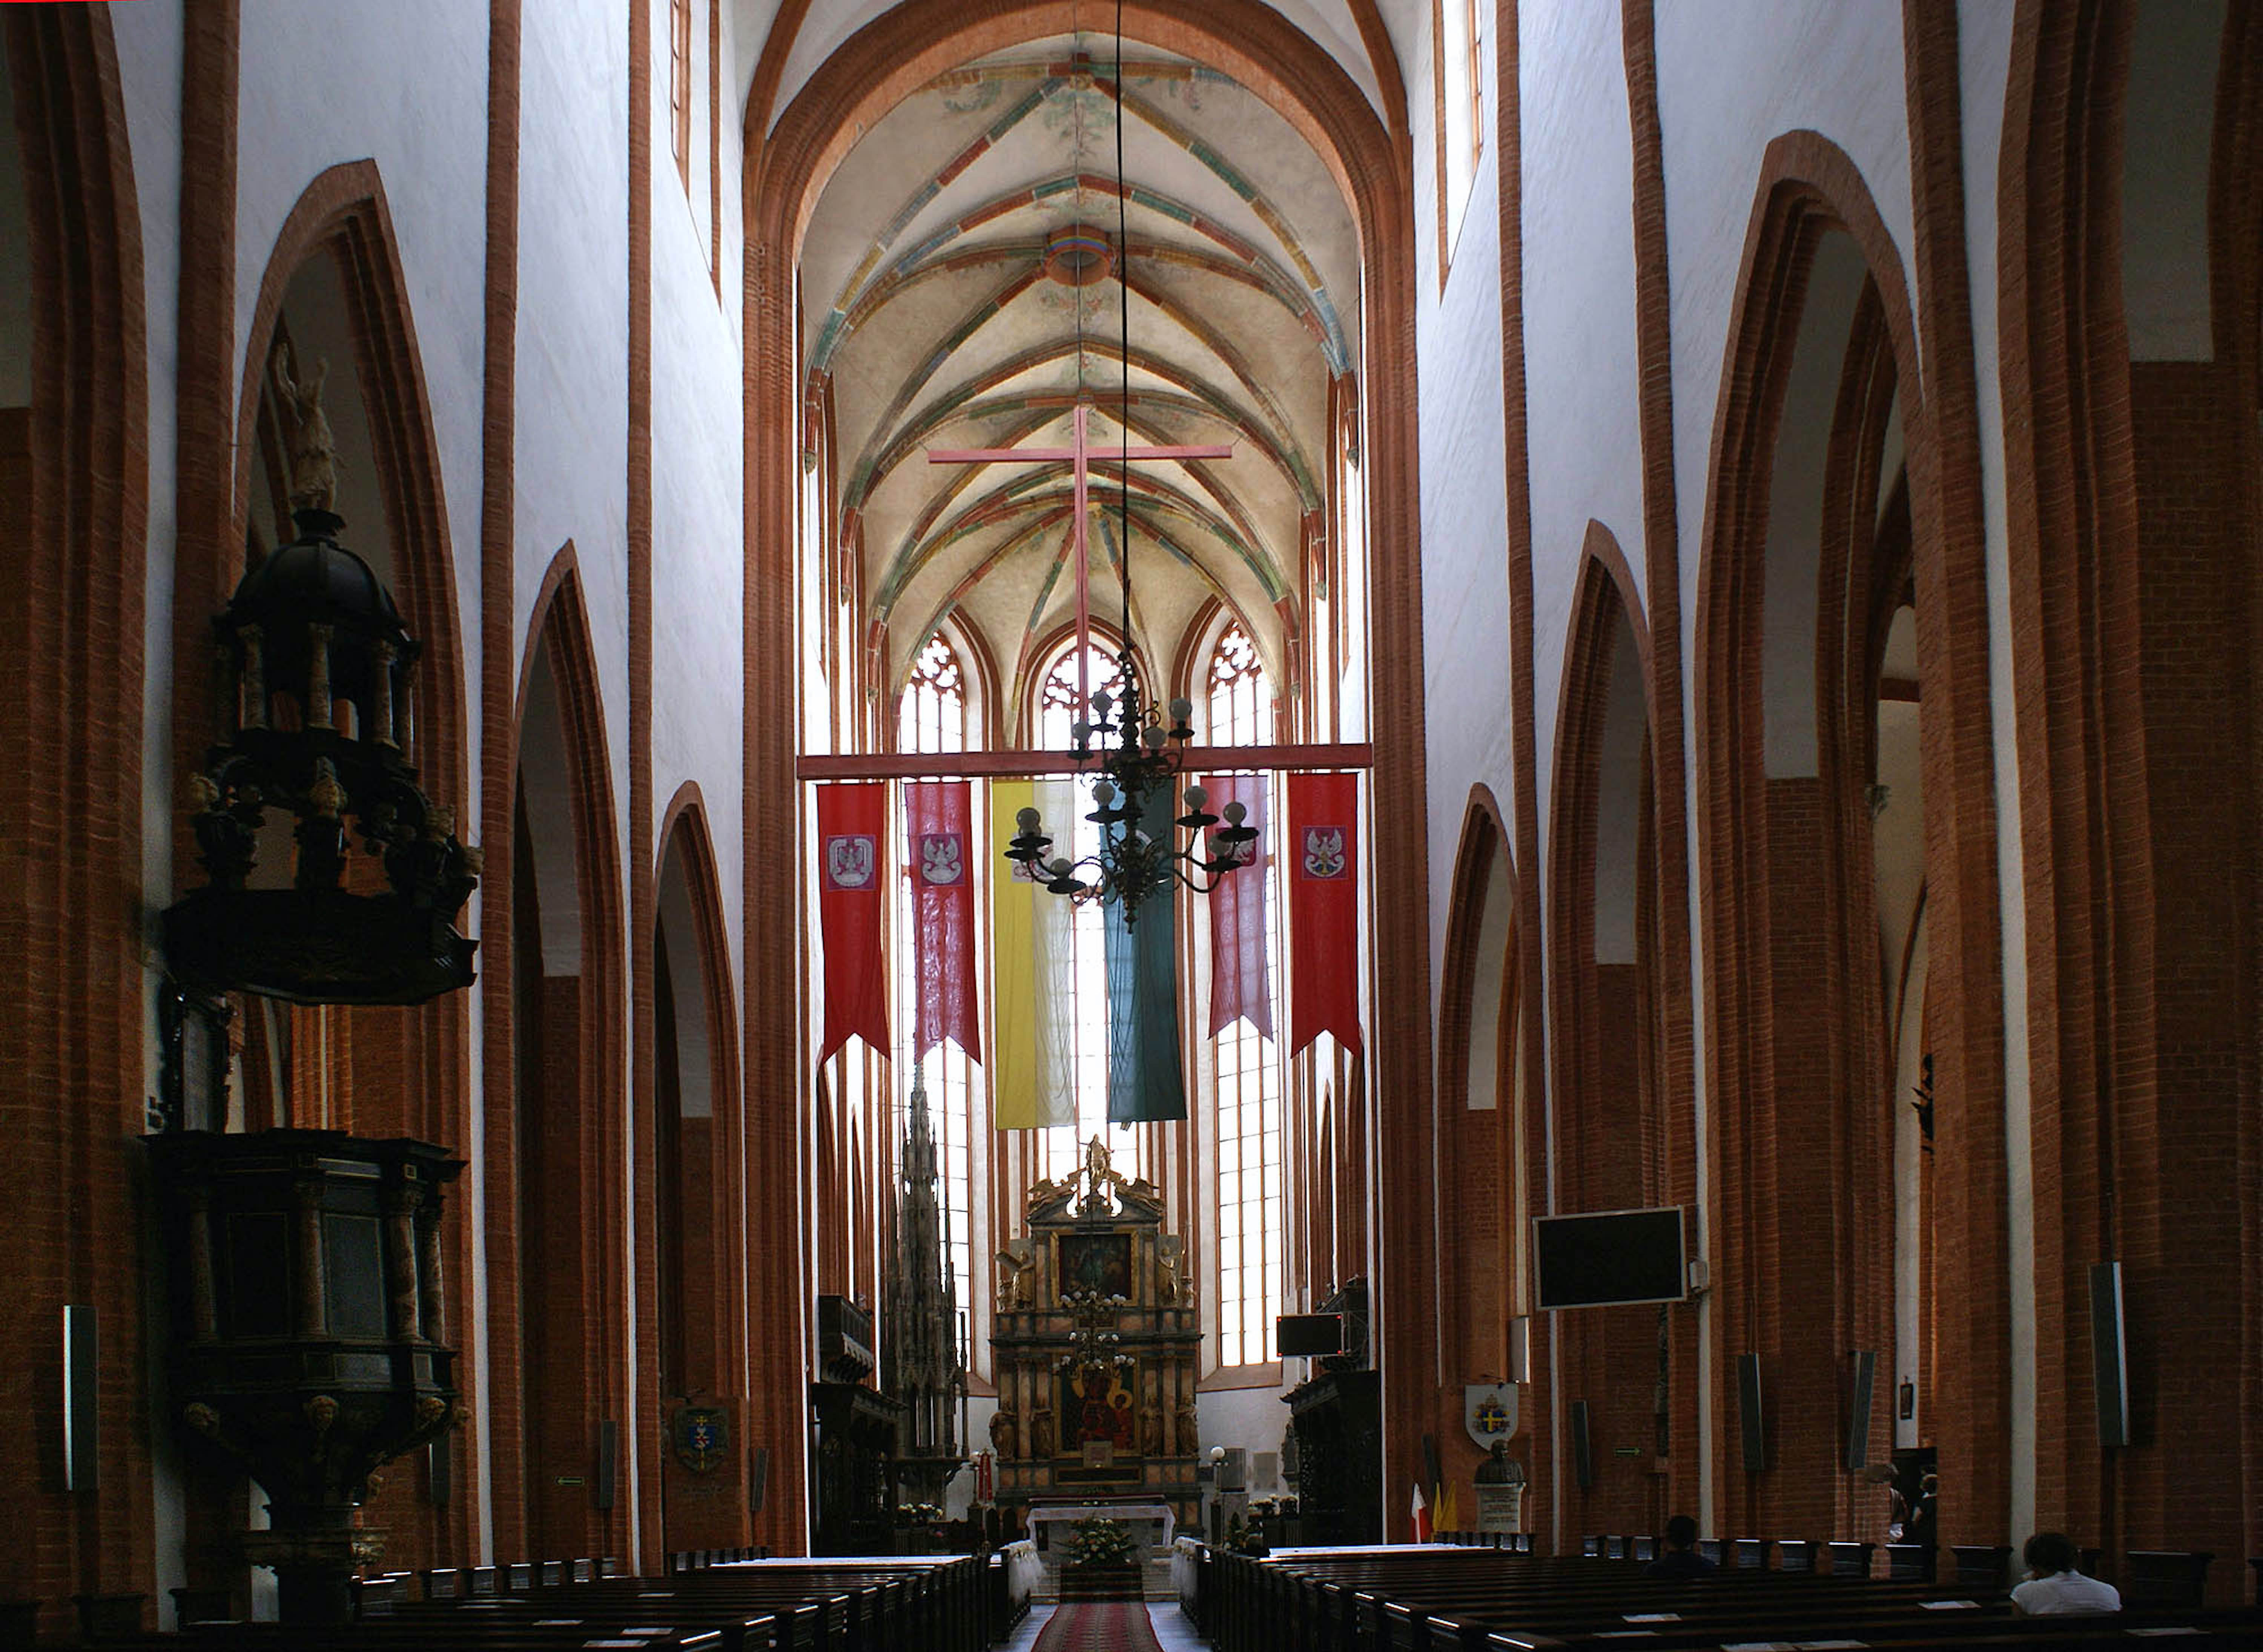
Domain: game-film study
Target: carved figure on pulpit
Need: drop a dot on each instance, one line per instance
(313, 450)
(1005, 1433)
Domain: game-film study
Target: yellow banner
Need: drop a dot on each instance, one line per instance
(1032, 1068)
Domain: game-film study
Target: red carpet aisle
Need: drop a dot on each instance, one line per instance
(1099, 1626)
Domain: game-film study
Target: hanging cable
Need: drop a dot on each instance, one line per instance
(1124, 356)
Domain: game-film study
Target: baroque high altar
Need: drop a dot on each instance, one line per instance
(1098, 1345)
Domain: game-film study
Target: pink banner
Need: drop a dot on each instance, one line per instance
(939, 837)
(1239, 985)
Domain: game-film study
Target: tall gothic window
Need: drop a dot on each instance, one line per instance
(1061, 1150)
(933, 718)
(1247, 1104)
(679, 83)
(1458, 57)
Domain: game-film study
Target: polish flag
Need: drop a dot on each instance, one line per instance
(1421, 1515)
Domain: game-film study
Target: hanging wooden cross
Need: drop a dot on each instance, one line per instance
(1079, 453)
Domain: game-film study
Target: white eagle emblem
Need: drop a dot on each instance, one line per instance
(941, 860)
(1324, 851)
(848, 861)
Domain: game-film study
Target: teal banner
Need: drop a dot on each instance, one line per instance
(1145, 1083)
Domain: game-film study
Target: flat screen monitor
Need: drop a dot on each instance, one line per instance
(1309, 1334)
(1604, 1257)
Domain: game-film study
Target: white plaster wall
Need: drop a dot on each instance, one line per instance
(697, 460)
(1465, 528)
(1582, 372)
(1788, 596)
(1255, 1419)
(572, 333)
(1731, 78)
(405, 85)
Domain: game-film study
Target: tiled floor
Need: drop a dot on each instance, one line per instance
(1172, 1627)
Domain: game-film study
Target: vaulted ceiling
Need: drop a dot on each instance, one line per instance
(961, 284)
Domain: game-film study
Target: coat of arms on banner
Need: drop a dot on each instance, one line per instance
(942, 858)
(848, 861)
(1489, 1411)
(1324, 851)
(702, 1438)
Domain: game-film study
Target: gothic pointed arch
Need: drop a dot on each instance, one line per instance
(689, 1271)
(1622, 1134)
(557, 1159)
(1816, 250)
(788, 162)
(1490, 1127)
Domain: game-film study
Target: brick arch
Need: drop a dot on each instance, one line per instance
(1623, 1131)
(74, 512)
(712, 1170)
(1752, 908)
(787, 165)
(589, 1046)
(343, 213)
(1483, 1265)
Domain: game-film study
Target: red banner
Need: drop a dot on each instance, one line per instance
(1323, 852)
(938, 833)
(1238, 978)
(852, 912)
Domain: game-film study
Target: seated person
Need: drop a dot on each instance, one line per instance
(2054, 1586)
(1681, 1558)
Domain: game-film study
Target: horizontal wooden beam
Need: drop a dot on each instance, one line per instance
(981, 765)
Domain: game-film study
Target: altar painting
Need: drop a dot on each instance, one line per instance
(1096, 1404)
(1098, 1262)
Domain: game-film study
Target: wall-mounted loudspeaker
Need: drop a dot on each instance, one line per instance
(1520, 1350)
(758, 1478)
(1862, 1380)
(1233, 1469)
(2110, 1371)
(82, 1349)
(1750, 1419)
(440, 1469)
(1583, 1450)
(609, 1460)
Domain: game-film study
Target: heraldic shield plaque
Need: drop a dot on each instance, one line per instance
(702, 1438)
(704, 1500)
